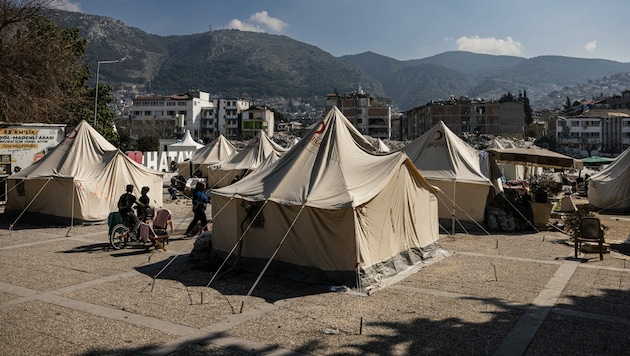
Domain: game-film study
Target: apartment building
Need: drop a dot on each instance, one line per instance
(597, 130)
(619, 101)
(255, 119)
(371, 116)
(168, 116)
(205, 118)
(227, 115)
(465, 115)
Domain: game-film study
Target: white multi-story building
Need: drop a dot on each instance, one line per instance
(597, 130)
(169, 115)
(223, 118)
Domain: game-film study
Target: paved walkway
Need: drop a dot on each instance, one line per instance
(502, 295)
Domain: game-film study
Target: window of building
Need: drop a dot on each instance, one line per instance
(147, 113)
(181, 103)
(170, 103)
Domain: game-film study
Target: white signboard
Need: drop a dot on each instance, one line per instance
(28, 143)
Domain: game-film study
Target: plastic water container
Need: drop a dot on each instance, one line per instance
(338, 288)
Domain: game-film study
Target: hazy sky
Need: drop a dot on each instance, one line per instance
(401, 29)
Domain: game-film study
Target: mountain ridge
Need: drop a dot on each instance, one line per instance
(240, 64)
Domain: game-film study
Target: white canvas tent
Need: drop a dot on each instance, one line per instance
(382, 147)
(215, 153)
(80, 179)
(259, 149)
(449, 163)
(343, 210)
(186, 144)
(610, 188)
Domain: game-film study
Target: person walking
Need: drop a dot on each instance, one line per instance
(199, 201)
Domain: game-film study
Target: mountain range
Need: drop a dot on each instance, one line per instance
(233, 63)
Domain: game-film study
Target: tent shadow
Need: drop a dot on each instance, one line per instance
(231, 281)
(621, 248)
(32, 220)
(91, 248)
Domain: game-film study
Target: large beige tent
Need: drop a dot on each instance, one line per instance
(333, 209)
(218, 151)
(610, 189)
(259, 149)
(80, 179)
(449, 163)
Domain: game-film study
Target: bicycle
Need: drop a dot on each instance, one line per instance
(119, 237)
(120, 234)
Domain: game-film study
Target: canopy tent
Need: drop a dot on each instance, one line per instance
(259, 149)
(610, 188)
(343, 210)
(186, 144)
(596, 161)
(217, 152)
(465, 175)
(533, 156)
(382, 147)
(81, 179)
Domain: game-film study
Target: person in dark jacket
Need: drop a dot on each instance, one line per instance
(125, 208)
(199, 201)
(143, 211)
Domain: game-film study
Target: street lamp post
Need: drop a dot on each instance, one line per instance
(98, 70)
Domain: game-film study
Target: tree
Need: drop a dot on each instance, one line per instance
(527, 109)
(567, 104)
(148, 143)
(43, 75)
(507, 98)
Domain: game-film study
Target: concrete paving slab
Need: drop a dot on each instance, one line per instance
(40, 328)
(63, 291)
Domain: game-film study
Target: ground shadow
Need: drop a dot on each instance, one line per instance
(594, 324)
(621, 248)
(31, 221)
(90, 248)
(232, 280)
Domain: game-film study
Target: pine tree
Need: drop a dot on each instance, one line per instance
(527, 109)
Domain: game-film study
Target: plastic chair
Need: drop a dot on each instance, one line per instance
(590, 230)
(162, 221)
(157, 238)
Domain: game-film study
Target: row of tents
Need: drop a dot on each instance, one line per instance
(333, 205)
